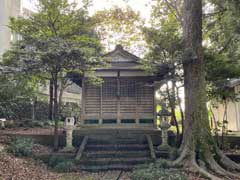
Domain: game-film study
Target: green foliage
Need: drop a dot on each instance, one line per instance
(61, 164)
(61, 38)
(10, 124)
(16, 92)
(30, 123)
(120, 26)
(65, 166)
(164, 44)
(223, 53)
(158, 170)
(20, 146)
(223, 28)
(70, 109)
(219, 68)
(58, 39)
(221, 41)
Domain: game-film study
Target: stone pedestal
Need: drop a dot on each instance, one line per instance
(69, 127)
(164, 127)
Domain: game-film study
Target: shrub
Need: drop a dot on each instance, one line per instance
(20, 146)
(46, 124)
(61, 164)
(65, 166)
(30, 123)
(10, 124)
(159, 170)
(54, 160)
(38, 124)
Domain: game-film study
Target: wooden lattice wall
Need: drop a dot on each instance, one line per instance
(119, 100)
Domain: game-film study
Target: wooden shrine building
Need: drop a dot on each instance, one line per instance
(126, 98)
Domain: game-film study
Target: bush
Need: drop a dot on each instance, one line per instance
(46, 124)
(38, 124)
(31, 124)
(10, 124)
(20, 146)
(65, 166)
(61, 164)
(159, 170)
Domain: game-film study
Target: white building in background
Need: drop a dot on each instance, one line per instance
(8, 8)
(231, 110)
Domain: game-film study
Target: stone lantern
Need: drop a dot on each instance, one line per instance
(2, 120)
(165, 116)
(69, 126)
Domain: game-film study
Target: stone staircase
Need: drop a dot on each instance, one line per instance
(115, 153)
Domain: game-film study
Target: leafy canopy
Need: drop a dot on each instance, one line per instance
(58, 39)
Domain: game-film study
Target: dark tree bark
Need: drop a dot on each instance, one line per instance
(198, 146)
(61, 90)
(215, 127)
(55, 112)
(172, 103)
(180, 108)
(63, 85)
(50, 107)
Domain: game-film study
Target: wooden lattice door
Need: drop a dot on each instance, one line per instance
(109, 98)
(128, 98)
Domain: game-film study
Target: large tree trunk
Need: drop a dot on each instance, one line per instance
(50, 107)
(198, 145)
(55, 112)
(194, 83)
(172, 102)
(180, 108)
(61, 90)
(62, 86)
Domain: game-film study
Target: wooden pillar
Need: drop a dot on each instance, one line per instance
(118, 98)
(137, 101)
(156, 87)
(101, 104)
(83, 101)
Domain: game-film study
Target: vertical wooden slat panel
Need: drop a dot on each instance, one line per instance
(136, 99)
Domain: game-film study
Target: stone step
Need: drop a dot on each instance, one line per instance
(111, 167)
(126, 147)
(117, 141)
(115, 153)
(115, 161)
(122, 153)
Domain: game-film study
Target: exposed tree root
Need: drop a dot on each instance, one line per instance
(202, 171)
(226, 162)
(188, 160)
(215, 167)
(180, 159)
